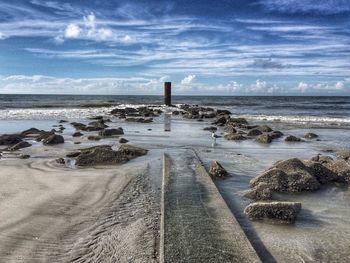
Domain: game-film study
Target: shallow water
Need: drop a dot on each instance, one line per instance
(321, 233)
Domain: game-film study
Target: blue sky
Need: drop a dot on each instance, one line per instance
(226, 47)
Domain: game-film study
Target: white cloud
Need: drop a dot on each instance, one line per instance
(72, 31)
(302, 86)
(2, 36)
(339, 85)
(188, 80)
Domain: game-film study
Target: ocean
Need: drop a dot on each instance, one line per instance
(311, 111)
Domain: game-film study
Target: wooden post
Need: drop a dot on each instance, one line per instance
(167, 93)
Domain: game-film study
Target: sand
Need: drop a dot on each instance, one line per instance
(50, 213)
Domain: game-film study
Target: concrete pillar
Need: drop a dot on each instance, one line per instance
(167, 93)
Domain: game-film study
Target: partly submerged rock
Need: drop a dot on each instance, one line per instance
(265, 128)
(341, 168)
(211, 129)
(254, 132)
(10, 139)
(111, 132)
(323, 174)
(282, 212)
(77, 134)
(235, 137)
(261, 191)
(132, 151)
(310, 135)
(31, 131)
(78, 126)
(94, 138)
(292, 138)
(20, 145)
(343, 154)
(276, 134)
(100, 156)
(123, 140)
(288, 176)
(216, 170)
(264, 138)
(53, 139)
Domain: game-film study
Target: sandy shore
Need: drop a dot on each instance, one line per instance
(50, 213)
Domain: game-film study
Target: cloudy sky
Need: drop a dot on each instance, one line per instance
(226, 47)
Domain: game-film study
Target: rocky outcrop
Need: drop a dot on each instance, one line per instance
(96, 126)
(132, 151)
(53, 139)
(100, 156)
(10, 139)
(77, 134)
(216, 170)
(31, 131)
(281, 212)
(265, 128)
(78, 126)
(310, 135)
(235, 137)
(261, 191)
(20, 145)
(343, 154)
(211, 129)
(264, 138)
(123, 140)
(292, 138)
(288, 176)
(254, 132)
(111, 132)
(276, 134)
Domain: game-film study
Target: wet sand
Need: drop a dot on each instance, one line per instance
(50, 213)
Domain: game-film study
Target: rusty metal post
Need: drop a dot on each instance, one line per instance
(167, 93)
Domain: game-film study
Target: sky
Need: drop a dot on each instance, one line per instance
(204, 47)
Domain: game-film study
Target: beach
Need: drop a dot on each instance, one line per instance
(54, 210)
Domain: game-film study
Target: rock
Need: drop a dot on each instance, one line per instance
(220, 121)
(73, 154)
(261, 191)
(96, 118)
(140, 120)
(235, 137)
(31, 131)
(341, 168)
(53, 139)
(276, 134)
(132, 151)
(264, 138)
(322, 159)
(96, 126)
(254, 132)
(111, 132)
(101, 156)
(216, 170)
(292, 138)
(10, 139)
(282, 212)
(78, 126)
(123, 140)
(24, 156)
(62, 121)
(175, 112)
(265, 128)
(229, 128)
(321, 172)
(60, 161)
(310, 135)
(77, 142)
(226, 112)
(20, 145)
(94, 138)
(343, 154)
(211, 129)
(77, 134)
(290, 175)
(44, 135)
(238, 120)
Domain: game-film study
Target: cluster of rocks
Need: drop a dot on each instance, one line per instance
(291, 176)
(140, 114)
(105, 155)
(17, 141)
